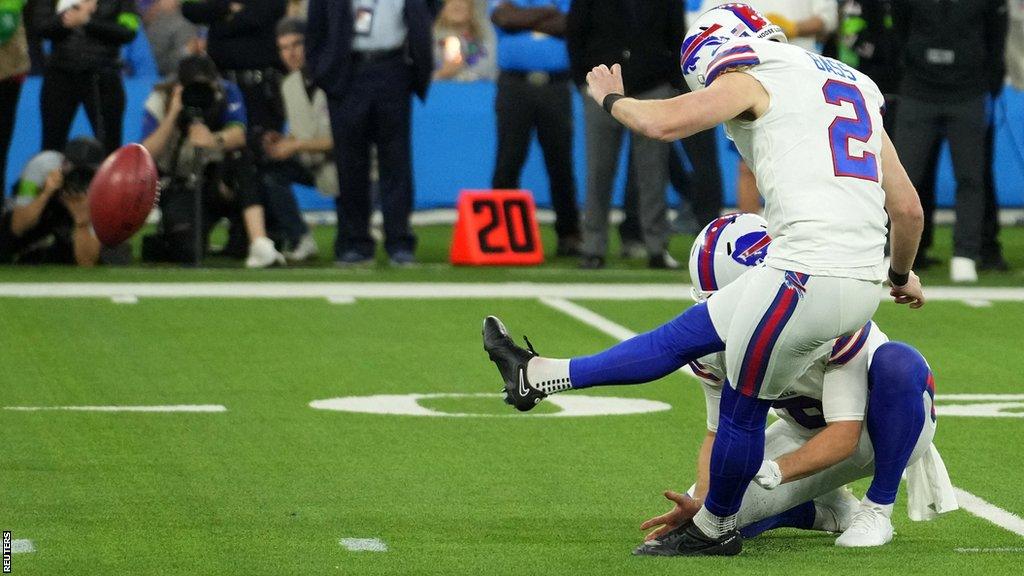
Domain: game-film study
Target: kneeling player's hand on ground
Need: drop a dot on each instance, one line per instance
(910, 293)
(683, 511)
(604, 81)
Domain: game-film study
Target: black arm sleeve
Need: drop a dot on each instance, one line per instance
(47, 22)
(257, 15)
(112, 32)
(204, 11)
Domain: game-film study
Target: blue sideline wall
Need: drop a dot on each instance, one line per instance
(454, 144)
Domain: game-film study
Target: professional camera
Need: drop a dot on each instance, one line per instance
(82, 157)
(201, 102)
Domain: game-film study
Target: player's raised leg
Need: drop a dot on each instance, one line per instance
(900, 387)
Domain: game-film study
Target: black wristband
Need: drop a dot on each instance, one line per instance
(610, 101)
(898, 280)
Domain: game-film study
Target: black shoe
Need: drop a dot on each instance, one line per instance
(511, 361)
(994, 263)
(591, 263)
(924, 262)
(688, 540)
(568, 247)
(662, 261)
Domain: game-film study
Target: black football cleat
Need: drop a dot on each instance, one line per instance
(688, 540)
(511, 361)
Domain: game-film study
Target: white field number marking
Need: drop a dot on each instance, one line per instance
(571, 405)
(171, 408)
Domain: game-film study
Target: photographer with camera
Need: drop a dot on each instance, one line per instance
(194, 127)
(50, 221)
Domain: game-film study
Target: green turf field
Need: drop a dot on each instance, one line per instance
(271, 485)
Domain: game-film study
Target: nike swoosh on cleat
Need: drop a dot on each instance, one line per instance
(523, 390)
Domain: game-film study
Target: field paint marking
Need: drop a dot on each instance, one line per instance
(417, 290)
(125, 299)
(989, 550)
(364, 544)
(980, 397)
(978, 303)
(22, 547)
(169, 408)
(573, 405)
(970, 502)
(341, 299)
(988, 511)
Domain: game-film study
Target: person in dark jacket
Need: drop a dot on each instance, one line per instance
(84, 66)
(952, 59)
(643, 36)
(369, 57)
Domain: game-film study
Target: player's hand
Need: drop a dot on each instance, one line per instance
(683, 511)
(201, 137)
(910, 293)
(769, 476)
(603, 81)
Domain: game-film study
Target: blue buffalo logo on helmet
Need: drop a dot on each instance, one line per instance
(716, 28)
(751, 249)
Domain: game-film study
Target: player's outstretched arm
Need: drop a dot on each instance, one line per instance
(832, 445)
(731, 95)
(907, 218)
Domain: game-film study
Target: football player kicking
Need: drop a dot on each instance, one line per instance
(819, 445)
(810, 129)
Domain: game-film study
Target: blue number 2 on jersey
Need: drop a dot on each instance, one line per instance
(843, 129)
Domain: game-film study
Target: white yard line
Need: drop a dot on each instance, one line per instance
(22, 547)
(415, 290)
(988, 511)
(969, 502)
(171, 408)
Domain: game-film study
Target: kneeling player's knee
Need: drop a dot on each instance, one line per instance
(897, 368)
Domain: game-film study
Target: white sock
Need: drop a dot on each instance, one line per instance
(713, 526)
(885, 508)
(549, 375)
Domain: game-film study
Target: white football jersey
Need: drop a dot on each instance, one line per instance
(833, 389)
(817, 156)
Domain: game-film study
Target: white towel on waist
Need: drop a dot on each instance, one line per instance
(929, 490)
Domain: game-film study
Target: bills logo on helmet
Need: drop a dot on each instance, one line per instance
(688, 57)
(751, 248)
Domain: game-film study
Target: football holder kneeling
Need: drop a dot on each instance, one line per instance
(496, 228)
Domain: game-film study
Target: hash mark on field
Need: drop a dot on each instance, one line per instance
(125, 299)
(341, 299)
(171, 408)
(364, 544)
(969, 502)
(22, 547)
(978, 303)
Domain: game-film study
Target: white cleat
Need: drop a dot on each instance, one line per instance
(870, 527)
(962, 270)
(262, 254)
(835, 510)
(305, 250)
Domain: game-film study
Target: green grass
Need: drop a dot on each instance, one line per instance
(271, 485)
(433, 250)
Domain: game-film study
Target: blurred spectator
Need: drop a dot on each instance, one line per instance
(138, 58)
(953, 61)
(242, 43)
(369, 57)
(84, 66)
(50, 221)
(297, 9)
(463, 47)
(14, 64)
(1015, 45)
(534, 93)
(864, 40)
(644, 37)
(195, 130)
(303, 154)
(169, 33)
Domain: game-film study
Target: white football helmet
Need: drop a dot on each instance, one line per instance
(716, 27)
(724, 250)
